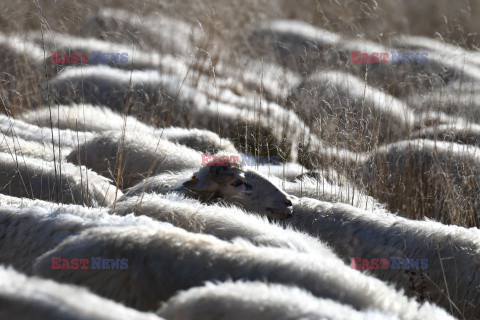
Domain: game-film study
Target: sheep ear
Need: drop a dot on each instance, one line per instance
(204, 191)
(191, 184)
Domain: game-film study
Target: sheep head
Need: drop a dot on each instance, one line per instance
(247, 189)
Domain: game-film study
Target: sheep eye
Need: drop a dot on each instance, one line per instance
(237, 183)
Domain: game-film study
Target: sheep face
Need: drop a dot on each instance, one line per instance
(247, 189)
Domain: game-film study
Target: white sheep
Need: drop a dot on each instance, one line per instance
(433, 69)
(21, 71)
(304, 47)
(161, 262)
(83, 118)
(466, 134)
(448, 50)
(207, 76)
(165, 101)
(126, 55)
(288, 171)
(350, 112)
(22, 176)
(221, 182)
(197, 139)
(62, 138)
(257, 301)
(224, 222)
(436, 118)
(242, 75)
(32, 227)
(20, 147)
(100, 119)
(21, 58)
(26, 298)
(451, 252)
(442, 172)
(458, 102)
(108, 86)
(317, 185)
(141, 156)
(156, 31)
(295, 44)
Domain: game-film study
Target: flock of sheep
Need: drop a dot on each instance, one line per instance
(109, 164)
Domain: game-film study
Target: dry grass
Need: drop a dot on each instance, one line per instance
(226, 27)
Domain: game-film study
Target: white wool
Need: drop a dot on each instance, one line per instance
(42, 134)
(142, 156)
(100, 119)
(30, 228)
(224, 222)
(22, 176)
(354, 232)
(157, 31)
(161, 262)
(26, 298)
(105, 85)
(257, 301)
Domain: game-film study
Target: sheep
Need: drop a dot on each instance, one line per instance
(141, 156)
(451, 252)
(161, 262)
(452, 101)
(18, 146)
(256, 301)
(229, 183)
(42, 134)
(330, 186)
(347, 110)
(64, 182)
(441, 172)
(155, 95)
(225, 223)
(268, 188)
(288, 171)
(138, 59)
(331, 190)
(197, 139)
(433, 70)
(432, 118)
(398, 79)
(285, 126)
(276, 83)
(9, 200)
(468, 134)
(21, 58)
(303, 47)
(32, 227)
(152, 31)
(26, 298)
(83, 118)
(449, 51)
(101, 119)
(21, 71)
(295, 44)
